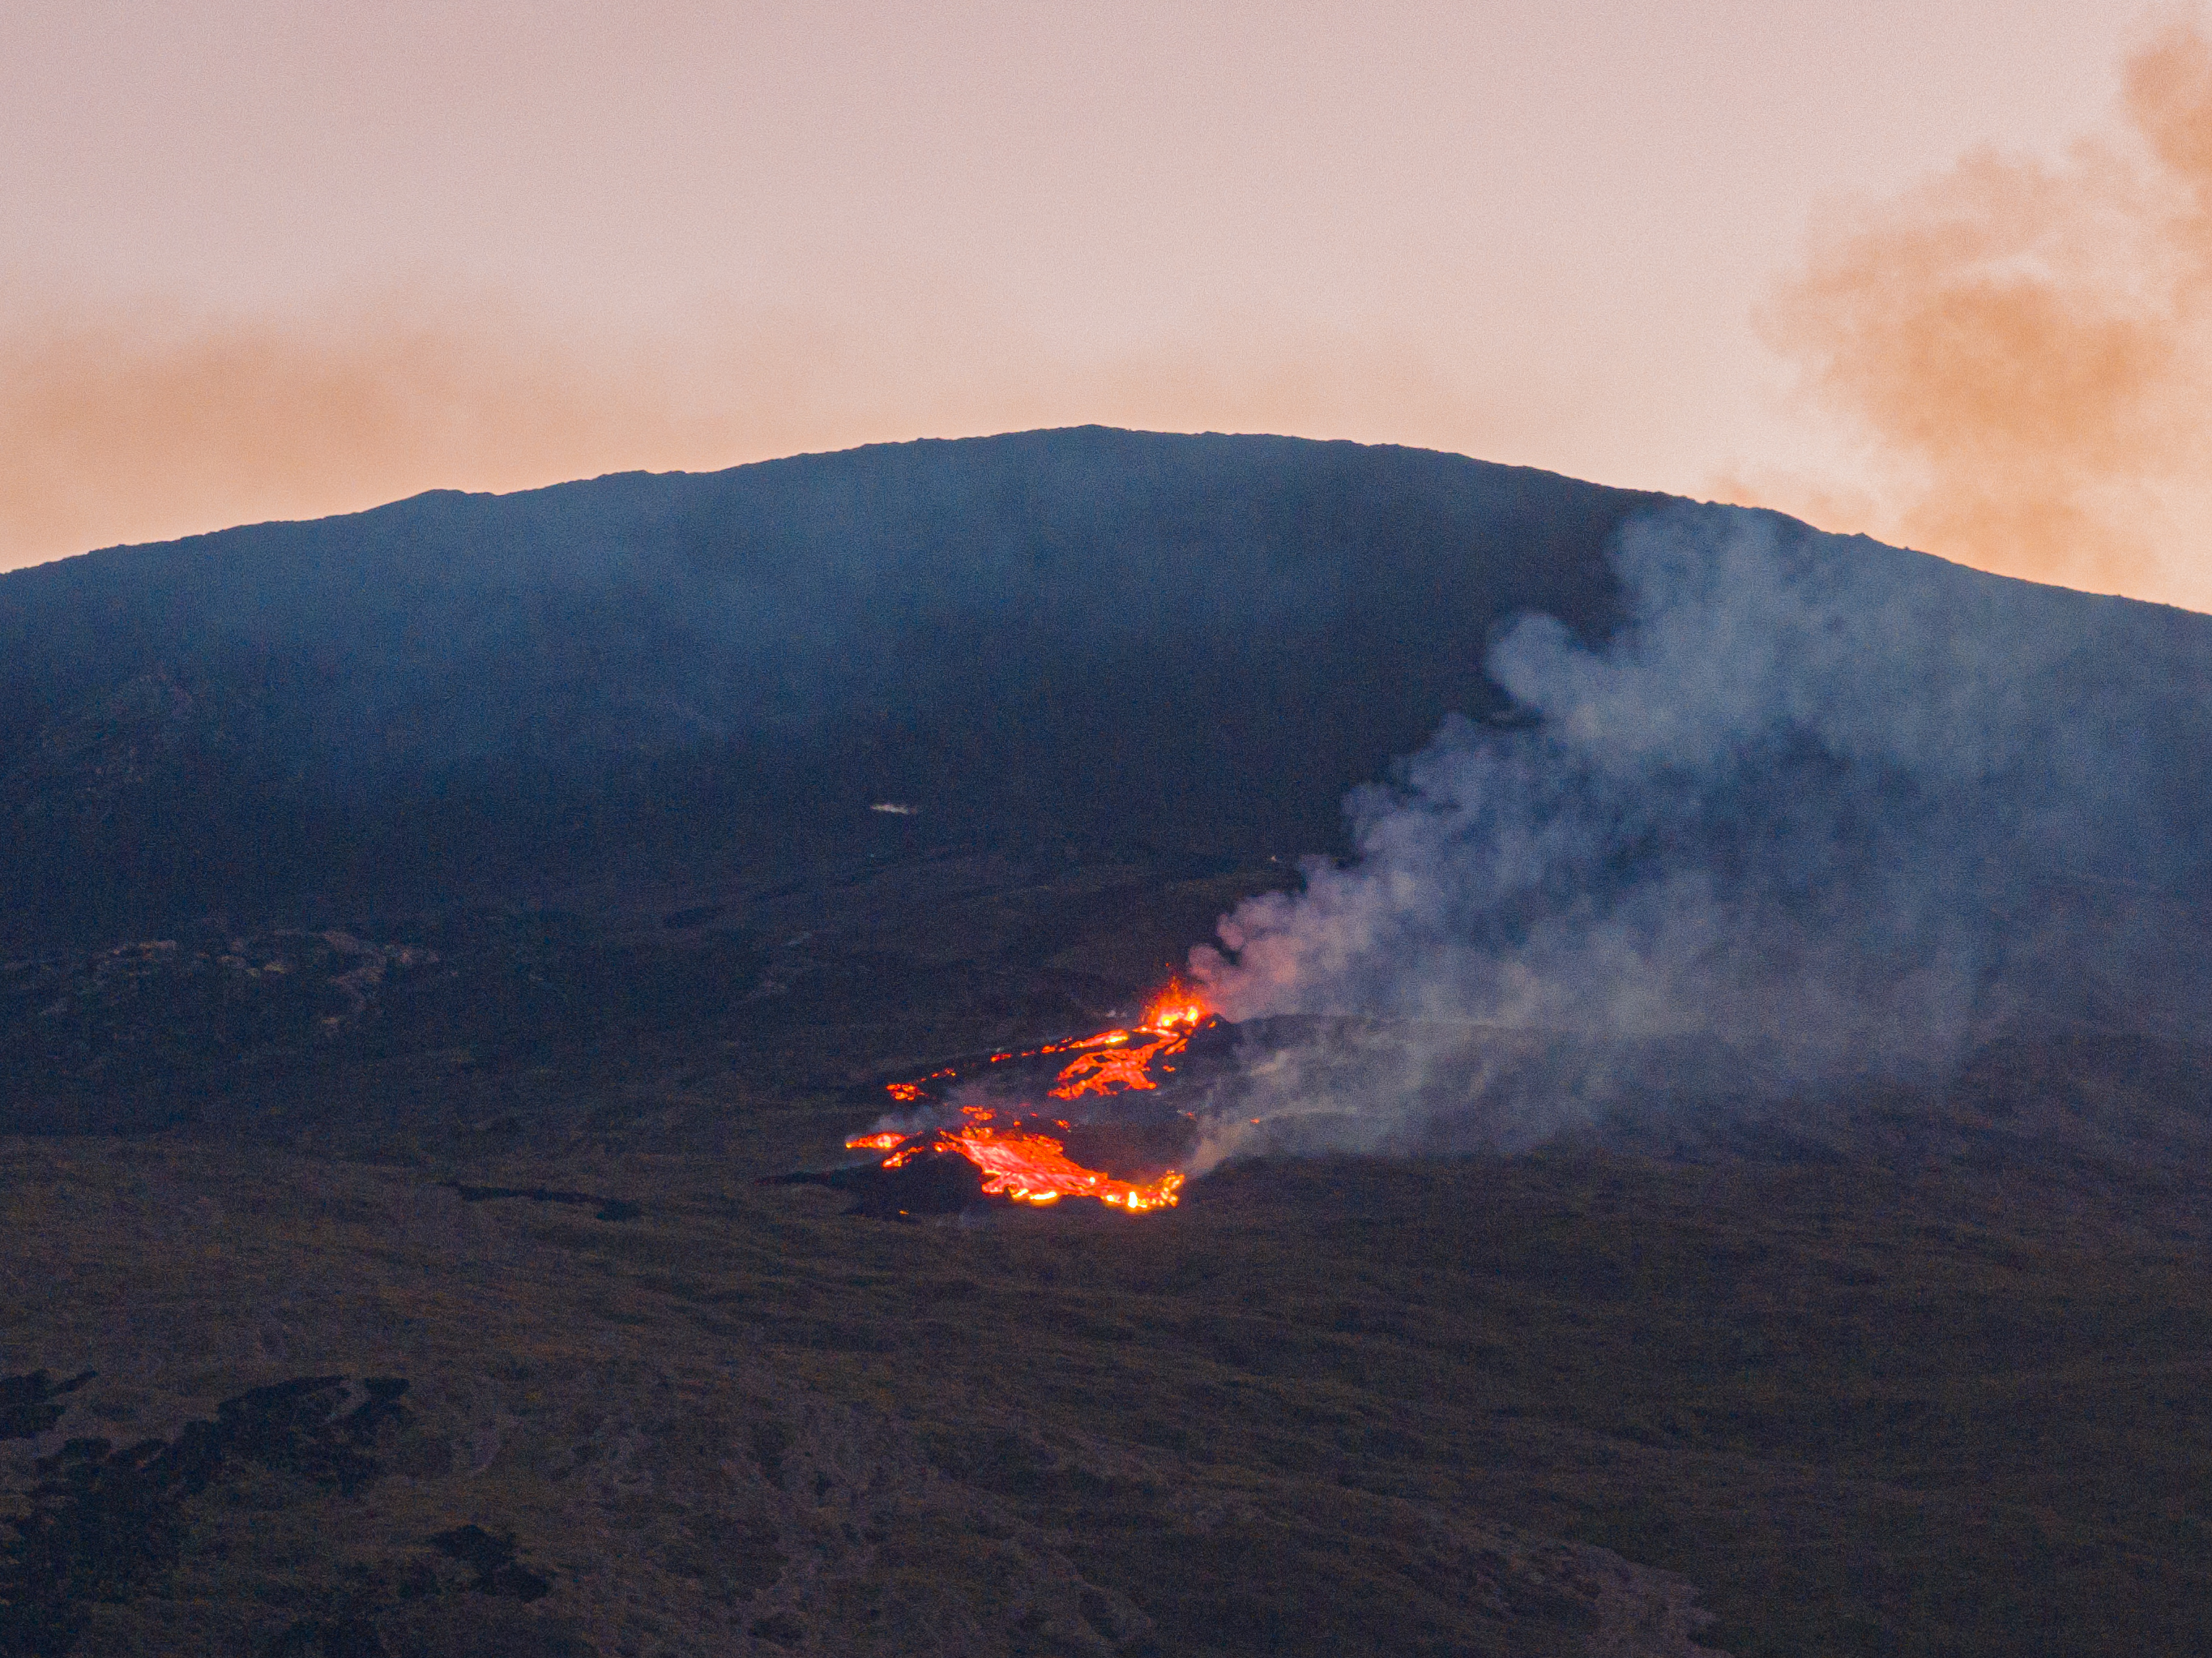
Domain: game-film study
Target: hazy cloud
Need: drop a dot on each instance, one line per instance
(121, 425)
(2026, 350)
(118, 426)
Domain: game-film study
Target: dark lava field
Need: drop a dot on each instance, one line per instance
(384, 1107)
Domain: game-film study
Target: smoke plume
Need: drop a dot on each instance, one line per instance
(1819, 814)
(2027, 347)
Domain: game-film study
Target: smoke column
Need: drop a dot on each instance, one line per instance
(1819, 814)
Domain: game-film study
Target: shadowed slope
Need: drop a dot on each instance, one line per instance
(1195, 644)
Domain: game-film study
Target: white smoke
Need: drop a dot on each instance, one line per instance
(1818, 813)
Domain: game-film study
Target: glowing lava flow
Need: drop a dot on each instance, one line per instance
(1020, 1161)
(1030, 1167)
(890, 1140)
(1123, 1059)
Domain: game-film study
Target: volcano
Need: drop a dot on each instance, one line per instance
(1717, 1128)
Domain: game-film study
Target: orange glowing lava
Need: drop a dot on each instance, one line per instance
(1111, 1072)
(1169, 1022)
(1178, 1008)
(1033, 1168)
(886, 1141)
(1020, 1162)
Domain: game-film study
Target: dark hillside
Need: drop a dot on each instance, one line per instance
(421, 932)
(1192, 646)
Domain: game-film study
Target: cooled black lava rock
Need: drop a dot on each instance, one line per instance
(941, 1183)
(29, 1404)
(491, 1557)
(104, 1519)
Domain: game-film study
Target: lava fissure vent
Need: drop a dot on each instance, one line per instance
(1093, 1117)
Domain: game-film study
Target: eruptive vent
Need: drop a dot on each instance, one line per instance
(1080, 1139)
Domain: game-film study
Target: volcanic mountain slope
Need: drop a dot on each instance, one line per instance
(466, 1454)
(1933, 1385)
(1190, 645)
(429, 926)
(1337, 1407)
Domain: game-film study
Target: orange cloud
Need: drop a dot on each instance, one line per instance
(2026, 349)
(119, 427)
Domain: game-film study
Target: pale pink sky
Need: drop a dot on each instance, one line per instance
(262, 259)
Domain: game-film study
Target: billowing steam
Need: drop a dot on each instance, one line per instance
(1819, 813)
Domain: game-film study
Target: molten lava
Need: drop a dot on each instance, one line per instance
(1021, 1160)
(890, 1140)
